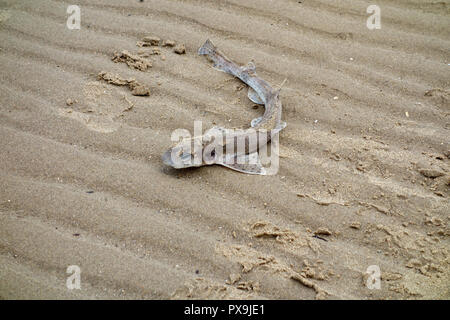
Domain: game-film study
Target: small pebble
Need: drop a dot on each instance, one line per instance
(431, 173)
(140, 91)
(180, 49)
(70, 102)
(355, 225)
(168, 43)
(322, 231)
(154, 41)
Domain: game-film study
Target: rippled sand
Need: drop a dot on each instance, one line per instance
(364, 169)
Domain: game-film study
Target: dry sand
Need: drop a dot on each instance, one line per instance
(364, 173)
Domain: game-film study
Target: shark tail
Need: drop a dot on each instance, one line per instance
(207, 48)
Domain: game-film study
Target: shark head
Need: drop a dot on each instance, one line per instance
(184, 155)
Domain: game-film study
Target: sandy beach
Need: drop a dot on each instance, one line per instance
(359, 208)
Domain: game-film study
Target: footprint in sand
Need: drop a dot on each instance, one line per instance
(99, 108)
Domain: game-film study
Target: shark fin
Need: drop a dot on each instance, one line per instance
(278, 128)
(249, 68)
(253, 96)
(281, 126)
(256, 121)
(247, 163)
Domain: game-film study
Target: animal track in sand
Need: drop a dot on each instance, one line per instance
(99, 109)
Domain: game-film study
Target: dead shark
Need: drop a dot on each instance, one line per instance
(233, 148)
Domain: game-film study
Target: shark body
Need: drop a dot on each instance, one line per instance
(235, 149)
